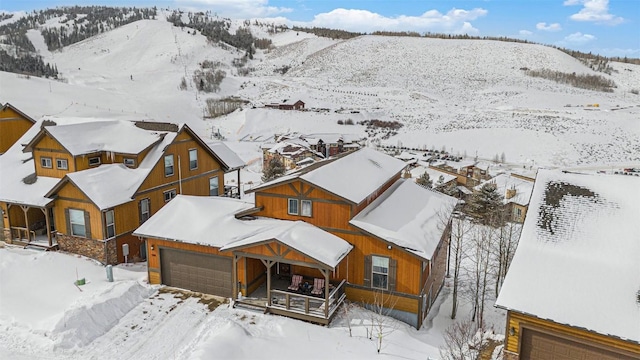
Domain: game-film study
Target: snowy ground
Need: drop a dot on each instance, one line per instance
(44, 315)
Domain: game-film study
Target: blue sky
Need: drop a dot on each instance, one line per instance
(607, 27)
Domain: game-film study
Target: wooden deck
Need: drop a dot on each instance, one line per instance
(299, 306)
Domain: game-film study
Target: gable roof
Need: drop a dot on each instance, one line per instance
(9, 106)
(504, 182)
(211, 221)
(89, 137)
(228, 157)
(577, 262)
(336, 175)
(408, 216)
(123, 182)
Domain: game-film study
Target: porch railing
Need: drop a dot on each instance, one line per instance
(309, 305)
(232, 191)
(22, 233)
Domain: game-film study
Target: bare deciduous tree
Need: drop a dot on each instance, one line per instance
(381, 323)
(463, 341)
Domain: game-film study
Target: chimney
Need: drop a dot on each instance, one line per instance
(511, 193)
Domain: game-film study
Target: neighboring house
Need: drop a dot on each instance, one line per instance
(350, 221)
(516, 190)
(296, 149)
(289, 154)
(469, 173)
(287, 105)
(13, 124)
(84, 187)
(573, 287)
(441, 181)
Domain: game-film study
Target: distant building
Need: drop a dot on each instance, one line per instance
(516, 190)
(287, 105)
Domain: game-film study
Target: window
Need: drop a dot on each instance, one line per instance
(380, 269)
(62, 164)
(306, 208)
(76, 220)
(518, 213)
(94, 161)
(46, 162)
(110, 224)
(193, 159)
(130, 162)
(168, 166)
(293, 207)
(168, 195)
(213, 186)
(145, 210)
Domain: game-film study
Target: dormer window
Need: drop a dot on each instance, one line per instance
(45, 162)
(94, 161)
(130, 162)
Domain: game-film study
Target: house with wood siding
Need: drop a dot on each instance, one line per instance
(84, 187)
(573, 287)
(516, 192)
(350, 221)
(13, 125)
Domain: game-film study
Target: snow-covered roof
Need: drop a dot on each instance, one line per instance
(408, 216)
(123, 182)
(304, 238)
(434, 175)
(371, 168)
(506, 181)
(113, 136)
(9, 106)
(211, 221)
(15, 166)
(578, 260)
(226, 155)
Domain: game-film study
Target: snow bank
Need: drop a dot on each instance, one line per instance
(80, 326)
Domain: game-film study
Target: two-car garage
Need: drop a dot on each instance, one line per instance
(538, 345)
(189, 270)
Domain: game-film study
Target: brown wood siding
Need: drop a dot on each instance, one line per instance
(180, 147)
(368, 297)
(12, 127)
(79, 202)
(517, 320)
(49, 147)
(254, 270)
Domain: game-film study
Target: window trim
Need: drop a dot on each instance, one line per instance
(132, 162)
(107, 225)
(217, 185)
(45, 159)
(95, 164)
(173, 165)
(195, 152)
(170, 191)
(289, 202)
(59, 161)
(71, 223)
(373, 272)
(302, 202)
(148, 212)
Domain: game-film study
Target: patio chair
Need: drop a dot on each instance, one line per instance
(295, 282)
(318, 286)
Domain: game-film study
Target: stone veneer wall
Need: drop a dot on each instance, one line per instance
(88, 247)
(7, 235)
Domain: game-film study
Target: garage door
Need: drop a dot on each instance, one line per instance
(197, 272)
(541, 346)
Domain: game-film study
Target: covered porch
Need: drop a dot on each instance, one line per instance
(30, 225)
(296, 277)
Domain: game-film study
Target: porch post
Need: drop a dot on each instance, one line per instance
(268, 264)
(239, 193)
(9, 222)
(46, 219)
(326, 292)
(26, 221)
(234, 276)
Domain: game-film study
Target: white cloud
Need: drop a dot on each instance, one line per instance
(454, 21)
(525, 32)
(550, 27)
(579, 38)
(596, 11)
(237, 9)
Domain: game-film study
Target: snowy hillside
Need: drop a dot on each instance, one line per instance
(467, 96)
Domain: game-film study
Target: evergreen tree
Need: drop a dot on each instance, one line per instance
(425, 181)
(486, 204)
(274, 169)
